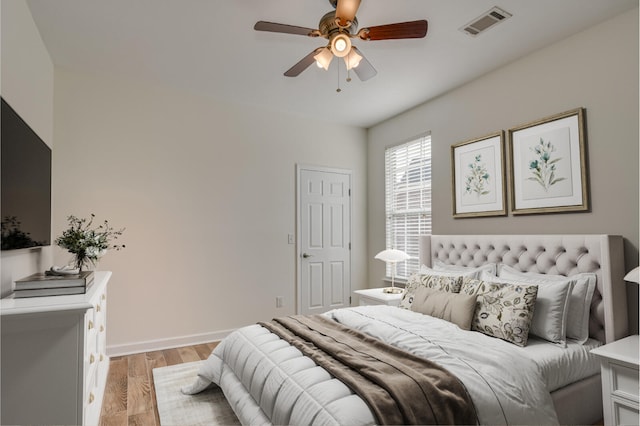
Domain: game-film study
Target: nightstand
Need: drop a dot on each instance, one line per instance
(619, 368)
(375, 296)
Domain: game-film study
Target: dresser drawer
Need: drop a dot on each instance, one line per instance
(624, 381)
(91, 403)
(90, 336)
(624, 413)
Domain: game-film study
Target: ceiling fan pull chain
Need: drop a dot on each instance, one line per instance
(338, 89)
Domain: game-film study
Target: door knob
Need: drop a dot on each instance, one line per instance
(306, 255)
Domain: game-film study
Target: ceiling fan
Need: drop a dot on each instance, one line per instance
(339, 27)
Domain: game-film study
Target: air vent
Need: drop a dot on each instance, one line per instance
(485, 21)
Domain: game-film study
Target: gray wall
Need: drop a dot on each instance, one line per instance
(596, 69)
(27, 85)
(207, 193)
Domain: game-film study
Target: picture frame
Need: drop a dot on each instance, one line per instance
(478, 177)
(548, 167)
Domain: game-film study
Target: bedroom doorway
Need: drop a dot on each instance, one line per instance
(324, 239)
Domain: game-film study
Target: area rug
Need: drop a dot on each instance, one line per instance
(174, 408)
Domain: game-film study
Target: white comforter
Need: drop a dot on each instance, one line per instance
(267, 381)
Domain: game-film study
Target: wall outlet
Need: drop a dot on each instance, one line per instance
(279, 301)
(290, 238)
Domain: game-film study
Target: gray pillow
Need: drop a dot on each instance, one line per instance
(453, 307)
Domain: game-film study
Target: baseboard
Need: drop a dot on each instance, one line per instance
(160, 344)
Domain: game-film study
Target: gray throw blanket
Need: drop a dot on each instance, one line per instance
(398, 387)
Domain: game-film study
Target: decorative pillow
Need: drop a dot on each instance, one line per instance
(502, 310)
(550, 318)
(439, 265)
(447, 283)
(580, 297)
(456, 308)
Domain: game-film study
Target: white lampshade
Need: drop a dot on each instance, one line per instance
(633, 276)
(352, 60)
(392, 256)
(323, 58)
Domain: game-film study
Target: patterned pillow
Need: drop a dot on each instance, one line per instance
(448, 283)
(552, 302)
(502, 310)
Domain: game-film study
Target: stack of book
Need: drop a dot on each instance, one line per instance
(42, 284)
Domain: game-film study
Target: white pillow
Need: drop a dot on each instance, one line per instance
(584, 285)
(550, 313)
(466, 271)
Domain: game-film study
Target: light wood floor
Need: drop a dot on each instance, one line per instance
(129, 397)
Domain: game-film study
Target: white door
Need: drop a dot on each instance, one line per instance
(324, 239)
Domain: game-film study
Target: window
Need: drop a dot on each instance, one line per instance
(407, 200)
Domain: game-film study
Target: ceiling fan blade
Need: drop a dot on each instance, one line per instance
(303, 64)
(364, 70)
(283, 28)
(346, 10)
(412, 29)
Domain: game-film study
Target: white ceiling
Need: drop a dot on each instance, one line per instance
(209, 47)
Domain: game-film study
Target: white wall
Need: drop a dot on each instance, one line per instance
(596, 69)
(207, 194)
(26, 85)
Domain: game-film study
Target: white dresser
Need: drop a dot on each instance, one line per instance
(620, 388)
(54, 363)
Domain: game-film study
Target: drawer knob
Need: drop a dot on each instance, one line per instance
(92, 359)
(91, 397)
(101, 328)
(98, 308)
(101, 357)
(104, 296)
(90, 324)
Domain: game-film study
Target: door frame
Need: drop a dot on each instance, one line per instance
(298, 254)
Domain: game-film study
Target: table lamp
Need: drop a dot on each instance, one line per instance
(392, 256)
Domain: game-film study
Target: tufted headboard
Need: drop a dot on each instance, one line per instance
(548, 254)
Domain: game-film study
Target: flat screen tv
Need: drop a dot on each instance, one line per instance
(26, 184)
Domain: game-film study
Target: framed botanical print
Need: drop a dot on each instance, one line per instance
(479, 177)
(548, 171)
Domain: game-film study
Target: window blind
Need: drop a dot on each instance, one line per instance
(407, 200)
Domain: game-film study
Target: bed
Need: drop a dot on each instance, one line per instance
(267, 379)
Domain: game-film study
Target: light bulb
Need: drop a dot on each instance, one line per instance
(340, 45)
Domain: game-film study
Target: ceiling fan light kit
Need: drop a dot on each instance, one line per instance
(339, 27)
